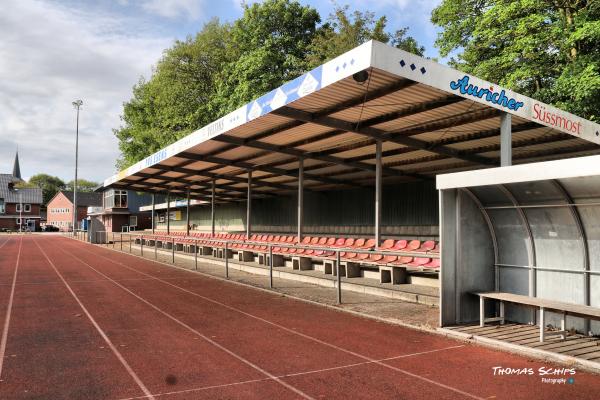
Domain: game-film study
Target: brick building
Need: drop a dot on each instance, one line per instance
(60, 208)
(17, 203)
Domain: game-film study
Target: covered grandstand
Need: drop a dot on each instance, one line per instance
(350, 150)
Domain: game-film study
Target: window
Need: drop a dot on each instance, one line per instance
(27, 208)
(115, 198)
(133, 220)
(18, 221)
(18, 208)
(2, 209)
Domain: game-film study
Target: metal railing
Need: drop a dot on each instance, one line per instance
(331, 253)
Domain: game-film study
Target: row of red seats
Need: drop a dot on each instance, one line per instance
(402, 245)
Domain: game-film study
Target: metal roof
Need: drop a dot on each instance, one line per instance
(29, 195)
(432, 119)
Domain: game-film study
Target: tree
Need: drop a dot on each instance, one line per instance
(83, 185)
(269, 45)
(176, 100)
(547, 49)
(344, 31)
(50, 185)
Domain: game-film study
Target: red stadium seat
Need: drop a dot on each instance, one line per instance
(339, 242)
(369, 244)
(426, 246)
(399, 245)
(413, 245)
(433, 264)
(358, 243)
(419, 261)
(404, 260)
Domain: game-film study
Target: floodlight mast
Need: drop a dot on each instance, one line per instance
(77, 104)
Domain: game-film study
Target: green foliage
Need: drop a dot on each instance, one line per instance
(227, 65)
(176, 100)
(344, 31)
(50, 185)
(83, 185)
(268, 48)
(547, 49)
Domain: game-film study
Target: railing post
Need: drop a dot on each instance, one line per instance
(129, 240)
(173, 251)
(226, 260)
(142, 245)
(155, 248)
(196, 254)
(339, 277)
(121, 240)
(270, 266)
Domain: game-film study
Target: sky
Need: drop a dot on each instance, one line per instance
(55, 52)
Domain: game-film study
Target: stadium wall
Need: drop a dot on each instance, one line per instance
(409, 210)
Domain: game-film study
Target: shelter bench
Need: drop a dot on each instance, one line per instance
(577, 310)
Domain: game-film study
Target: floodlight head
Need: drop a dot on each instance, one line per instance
(361, 76)
(77, 103)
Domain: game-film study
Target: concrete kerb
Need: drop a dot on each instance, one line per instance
(523, 351)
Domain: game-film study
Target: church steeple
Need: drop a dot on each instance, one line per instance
(16, 168)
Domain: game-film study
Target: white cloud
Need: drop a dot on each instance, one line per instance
(191, 9)
(50, 56)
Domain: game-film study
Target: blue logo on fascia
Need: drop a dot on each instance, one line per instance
(156, 157)
(292, 90)
(487, 94)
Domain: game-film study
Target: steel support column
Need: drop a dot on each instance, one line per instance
(378, 168)
(168, 213)
(212, 209)
(300, 198)
(187, 214)
(249, 206)
(505, 140)
(153, 212)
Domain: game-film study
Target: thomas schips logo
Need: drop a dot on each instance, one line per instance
(488, 94)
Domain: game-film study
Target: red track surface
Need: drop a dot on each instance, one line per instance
(87, 323)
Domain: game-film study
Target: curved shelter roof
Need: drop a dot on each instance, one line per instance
(430, 118)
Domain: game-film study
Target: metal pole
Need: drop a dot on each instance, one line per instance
(505, 140)
(226, 260)
(129, 240)
(377, 193)
(113, 239)
(153, 211)
(173, 251)
(77, 104)
(300, 198)
(270, 266)
(168, 213)
(142, 245)
(120, 240)
(155, 246)
(249, 206)
(339, 277)
(196, 254)
(20, 212)
(212, 209)
(187, 217)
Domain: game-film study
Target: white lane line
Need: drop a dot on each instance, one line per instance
(315, 371)
(3, 243)
(116, 352)
(9, 308)
(381, 363)
(206, 338)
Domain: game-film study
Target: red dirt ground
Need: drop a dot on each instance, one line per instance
(90, 323)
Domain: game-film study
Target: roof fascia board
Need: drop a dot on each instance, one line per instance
(430, 73)
(545, 170)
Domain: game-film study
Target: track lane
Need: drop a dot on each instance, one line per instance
(51, 352)
(483, 360)
(178, 350)
(322, 354)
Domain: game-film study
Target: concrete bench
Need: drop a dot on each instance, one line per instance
(302, 263)
(577, 310)
(392, 274)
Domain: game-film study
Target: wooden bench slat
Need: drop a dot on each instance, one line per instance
(570, 308)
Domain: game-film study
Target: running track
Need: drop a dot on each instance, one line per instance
(84, 322)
